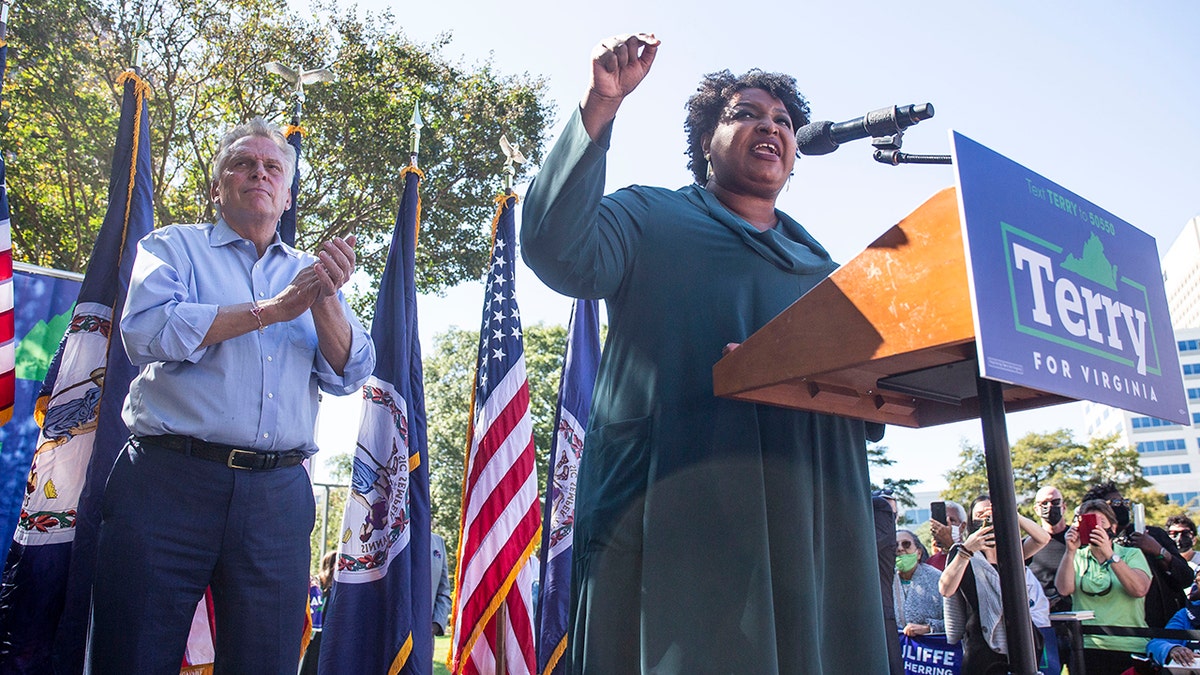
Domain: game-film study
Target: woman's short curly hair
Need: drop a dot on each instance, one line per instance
(704, 108)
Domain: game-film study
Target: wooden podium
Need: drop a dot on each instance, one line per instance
(888, 337)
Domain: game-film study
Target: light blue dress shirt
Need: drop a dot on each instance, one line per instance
(255, 391)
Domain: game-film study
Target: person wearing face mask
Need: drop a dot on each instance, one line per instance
(1182, 532)
(918, 603)
(1170, 574)
(1049, 505)
(1044, 564)
(947, 534)
(1109, 579)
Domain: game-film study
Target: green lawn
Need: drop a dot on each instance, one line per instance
(441, 647)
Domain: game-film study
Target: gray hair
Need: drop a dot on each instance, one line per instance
(255, 127)
(957, 508)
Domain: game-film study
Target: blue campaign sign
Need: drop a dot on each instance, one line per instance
(930, 655)
(1068, 298)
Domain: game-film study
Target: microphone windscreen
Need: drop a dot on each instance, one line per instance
(815, 138)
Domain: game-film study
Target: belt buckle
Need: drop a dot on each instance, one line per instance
(229, 461)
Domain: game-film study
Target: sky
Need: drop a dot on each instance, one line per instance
(1099, 97)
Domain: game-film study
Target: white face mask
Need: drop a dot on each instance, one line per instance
(956, 534)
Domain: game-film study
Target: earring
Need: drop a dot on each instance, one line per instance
(708, 166)
(788, 186)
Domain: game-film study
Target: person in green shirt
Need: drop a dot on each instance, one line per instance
(1112, 581)
(712, 535)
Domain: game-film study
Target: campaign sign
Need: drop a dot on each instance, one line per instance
(1068, 298)
(930, 655)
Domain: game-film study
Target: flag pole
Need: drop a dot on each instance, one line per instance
(417, 123)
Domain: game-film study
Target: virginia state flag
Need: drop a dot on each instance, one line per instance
(48, 574)
(380, 616)
(580, 364)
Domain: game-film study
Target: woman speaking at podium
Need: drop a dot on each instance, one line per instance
(711, 536)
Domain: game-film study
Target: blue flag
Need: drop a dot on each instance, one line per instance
(380, 613)
(580, 364)
(44, 600)
(287, 222)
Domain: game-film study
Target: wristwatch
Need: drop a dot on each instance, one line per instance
(1116, 558)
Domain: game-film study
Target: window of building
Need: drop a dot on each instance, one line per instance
(1186, 499)
(1166, 469)
(1164, 445)
(1189, 345)
(1150, 423)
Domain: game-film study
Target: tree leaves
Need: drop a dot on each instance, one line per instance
(204, 60)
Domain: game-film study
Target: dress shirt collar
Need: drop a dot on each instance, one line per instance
(223, 235)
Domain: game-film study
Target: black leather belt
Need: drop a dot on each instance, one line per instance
(234, 458)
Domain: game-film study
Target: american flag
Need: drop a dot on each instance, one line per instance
(501, 525)
(8, 375)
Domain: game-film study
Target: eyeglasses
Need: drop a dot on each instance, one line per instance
(906, 545)
(1119, 502)
(1051, 502)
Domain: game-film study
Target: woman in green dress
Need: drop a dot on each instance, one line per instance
(711, 536)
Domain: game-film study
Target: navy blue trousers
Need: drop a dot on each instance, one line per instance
(172, 525)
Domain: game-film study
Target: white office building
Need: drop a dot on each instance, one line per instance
(1169, 453)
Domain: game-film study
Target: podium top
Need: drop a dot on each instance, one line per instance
(888, 337)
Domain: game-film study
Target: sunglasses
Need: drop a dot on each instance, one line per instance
(1051, 502)
(1175, 534)
(1119, 502)
(906, 545)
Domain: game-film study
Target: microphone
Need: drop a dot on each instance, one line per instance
(822, 138)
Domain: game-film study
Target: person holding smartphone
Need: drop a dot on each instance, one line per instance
(971, 586)
(1112, 581)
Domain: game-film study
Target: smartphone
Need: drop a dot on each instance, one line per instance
(937, 511)
(1139, 518)
(1087, 523)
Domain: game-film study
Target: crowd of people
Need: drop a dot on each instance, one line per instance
(1115, 573)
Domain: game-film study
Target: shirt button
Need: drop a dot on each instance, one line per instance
(270, 358)
(266, 435)
(270, 395)
(261, 294)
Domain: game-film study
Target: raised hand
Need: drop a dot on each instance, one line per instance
(619, 64)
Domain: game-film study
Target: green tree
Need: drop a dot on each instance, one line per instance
(54, 108)
(204, 60)
(1057, 458)
(901, 487)
(449, 370)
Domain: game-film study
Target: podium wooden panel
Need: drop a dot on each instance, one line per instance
(888, 337)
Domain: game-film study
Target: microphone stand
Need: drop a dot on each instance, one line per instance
(887, 151)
